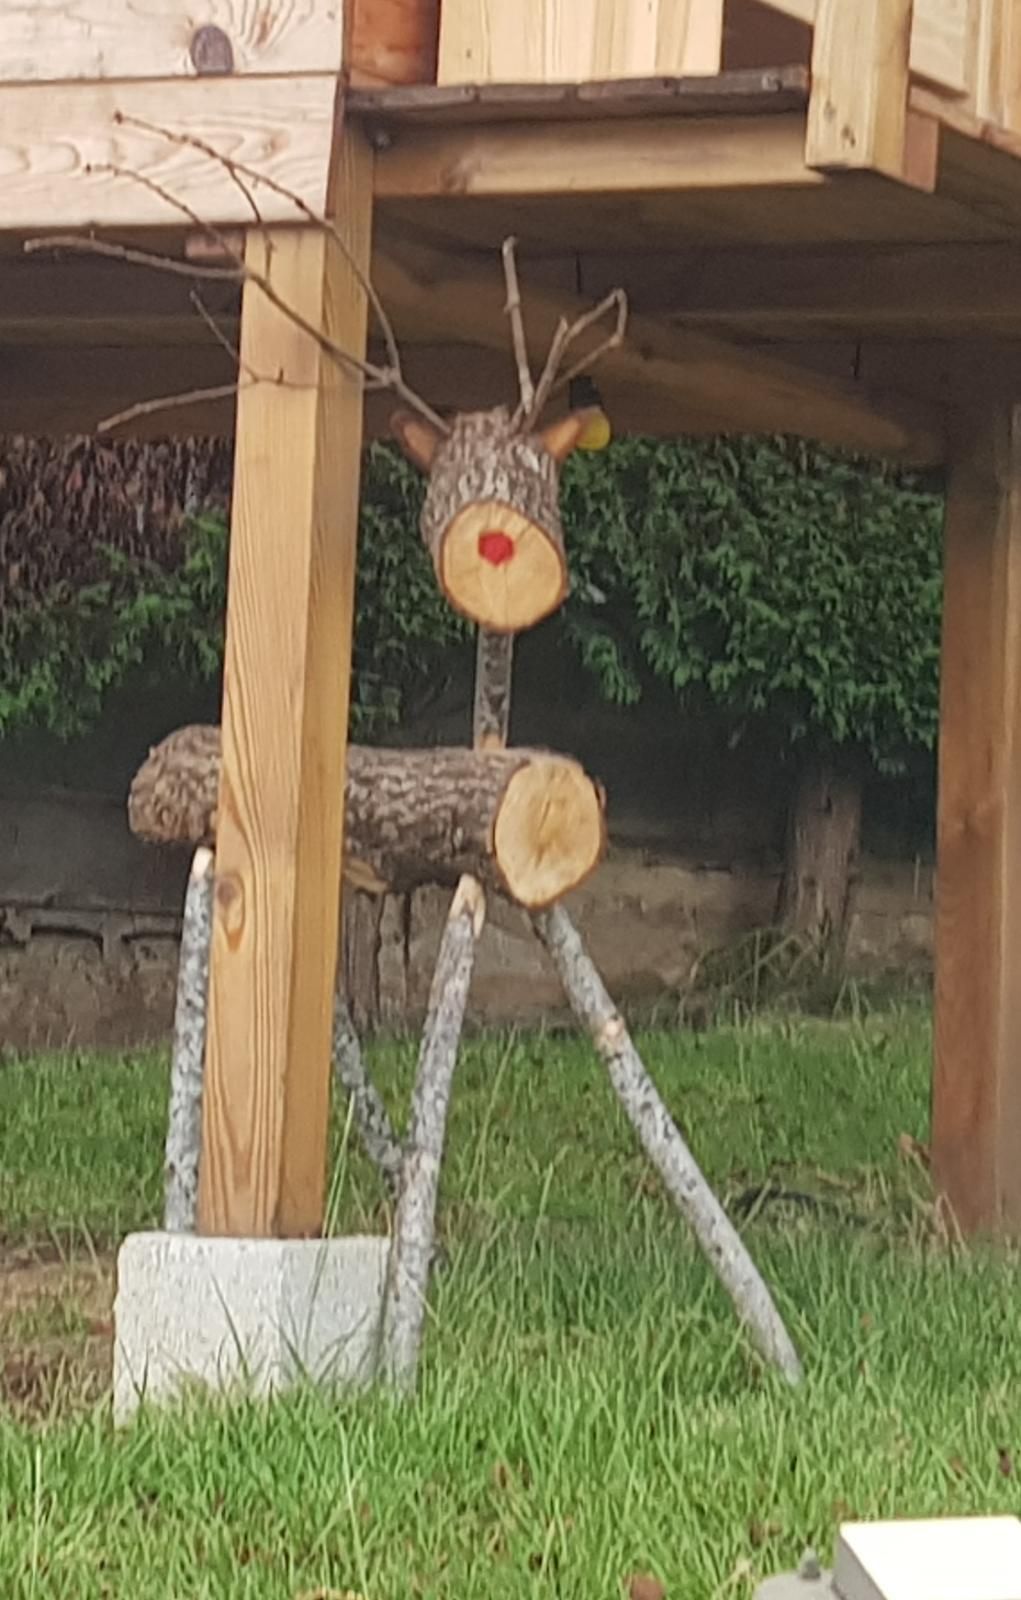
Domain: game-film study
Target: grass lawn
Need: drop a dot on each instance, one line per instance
(588, 1410)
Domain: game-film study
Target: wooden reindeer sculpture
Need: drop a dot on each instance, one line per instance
(528, 825)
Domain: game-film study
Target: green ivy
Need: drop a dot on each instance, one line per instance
(763, 577)
(59, 660)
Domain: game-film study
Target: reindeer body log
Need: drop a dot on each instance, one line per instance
(527, 823)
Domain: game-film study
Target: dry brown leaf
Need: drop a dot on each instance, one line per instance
(911, 1149)
(645, 1586)
(329, 1594)
(760, 1532)
(1005, 1461)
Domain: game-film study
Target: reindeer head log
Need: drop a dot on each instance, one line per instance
(491, 518)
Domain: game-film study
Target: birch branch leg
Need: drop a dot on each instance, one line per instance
(664, 1145)
(411, 1247)
(370, 1115)
(184, 1123)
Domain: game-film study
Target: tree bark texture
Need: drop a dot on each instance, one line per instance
(823, 836)
(63, 500)
(663, 1142)
(184, 1123)
(370, 1115)
(528, 824)
(411, 1248)
(360, 939)
(486, 481)
(494, 664)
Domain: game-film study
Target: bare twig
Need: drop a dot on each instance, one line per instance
(217, 332)
(188, 397)
(225, 244)
(513, 309)
(377, 377)
(567, 334)
(84, 244)
(237, 170)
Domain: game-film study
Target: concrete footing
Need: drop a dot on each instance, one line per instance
(254, 1315)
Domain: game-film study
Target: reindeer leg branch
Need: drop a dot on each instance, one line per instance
(411, 1248)
(663, 1143)
(184, 1122)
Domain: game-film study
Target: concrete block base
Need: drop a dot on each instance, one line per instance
(254, 1315)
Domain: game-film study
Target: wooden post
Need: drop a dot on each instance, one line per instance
(286, 685)
(976, 1113)
(857, 115)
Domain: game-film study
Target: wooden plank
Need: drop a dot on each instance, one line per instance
(656, 154)
(547, 41)
(689, 38)
(391, 41)
(53, 148)
(286, 686)
(752, 92)
(673, 372)
(66, 40)
(940, 35)
(857, 112)
(976, 1108)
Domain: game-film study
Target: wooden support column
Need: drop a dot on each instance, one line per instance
(976, 1114)
(286, 685)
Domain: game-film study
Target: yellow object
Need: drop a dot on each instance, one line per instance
(597, 434)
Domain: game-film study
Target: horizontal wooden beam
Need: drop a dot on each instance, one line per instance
(662, 154)
(56, 150)
(676, 374)
(114, 39)
(939, 37)
(939, 290)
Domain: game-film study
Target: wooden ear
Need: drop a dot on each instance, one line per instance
(417, 438)
(587, 429)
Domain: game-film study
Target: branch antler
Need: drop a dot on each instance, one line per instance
(533, 397)
(567, 333)
(239, 270)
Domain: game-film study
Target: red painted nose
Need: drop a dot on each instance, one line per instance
(496, 548)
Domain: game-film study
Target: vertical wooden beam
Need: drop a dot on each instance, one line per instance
(994, 61)
(857, 114)
(286, 684)
(976, 1113)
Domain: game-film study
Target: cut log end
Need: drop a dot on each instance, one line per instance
(501, 569)
(550, 831)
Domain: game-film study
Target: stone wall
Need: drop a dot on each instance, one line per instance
(89, 918)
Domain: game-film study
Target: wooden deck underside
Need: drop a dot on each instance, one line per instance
(692, 194)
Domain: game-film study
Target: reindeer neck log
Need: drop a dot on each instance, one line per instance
(527, 823)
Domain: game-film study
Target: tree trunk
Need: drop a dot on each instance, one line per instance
(823, 835)
(362, 918)
(526, 823)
